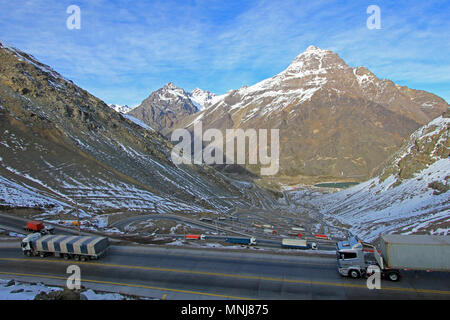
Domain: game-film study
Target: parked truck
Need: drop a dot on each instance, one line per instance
(413, 252)
(247, 241)
(298, 244)
(65, 246)
(38, 226)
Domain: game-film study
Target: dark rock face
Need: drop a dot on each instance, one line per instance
(65, 294)
(164, 107)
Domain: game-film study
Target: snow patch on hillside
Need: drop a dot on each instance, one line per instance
(373, 208)
(138, 122)
(15, 290)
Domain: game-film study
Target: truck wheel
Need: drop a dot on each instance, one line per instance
(42, 255)
(83, 258)
(393, 276)
(354, 274)
(76, 257)
(66, 256)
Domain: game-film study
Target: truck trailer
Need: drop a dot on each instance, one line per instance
(66, 246)
(412, 252)
(298, 244)
(247, 241)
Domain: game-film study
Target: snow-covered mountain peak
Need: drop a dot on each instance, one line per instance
(170, 86)
(120, 109)
(198, 91)
(313, 50)
(201, 98)
(170, 92)
(314, 61)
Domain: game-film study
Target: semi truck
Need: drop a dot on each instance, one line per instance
(65, 246)
(247, 241)
(195, 237)
(38, 226)
(412, 252)
(298, 244)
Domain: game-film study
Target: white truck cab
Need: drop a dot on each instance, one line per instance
(27, 247)
(350, 257)
(354, 257)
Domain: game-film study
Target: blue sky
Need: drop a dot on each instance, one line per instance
(126, 49)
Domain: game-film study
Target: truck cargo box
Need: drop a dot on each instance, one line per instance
(416, 252)
(241, 240)
(82, 245)
(193, 236)
(35, 225)
(294, 243)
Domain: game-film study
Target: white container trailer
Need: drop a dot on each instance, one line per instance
(416, 252)
(413, 252)
(297, 244)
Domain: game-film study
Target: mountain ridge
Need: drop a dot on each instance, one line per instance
(61, 145)
(163, 108)
(334, 120)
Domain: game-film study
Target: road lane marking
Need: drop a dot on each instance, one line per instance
(226, 275)
(272, 260)
(129, 285)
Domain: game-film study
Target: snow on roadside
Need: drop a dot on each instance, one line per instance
(22, 291)
(27, 291)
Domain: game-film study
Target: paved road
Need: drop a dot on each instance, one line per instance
(17, 224)
(262, 238)
(175, 273)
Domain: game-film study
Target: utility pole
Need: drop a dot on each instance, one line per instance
(78, 218)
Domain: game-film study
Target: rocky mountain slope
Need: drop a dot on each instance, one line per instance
(335, 120)
(165, 107)
(60, 145)
(411, 194)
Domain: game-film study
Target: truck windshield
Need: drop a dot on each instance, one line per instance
(347, 255)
